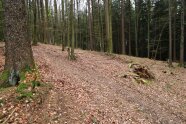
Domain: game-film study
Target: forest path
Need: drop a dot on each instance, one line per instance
(90, 90)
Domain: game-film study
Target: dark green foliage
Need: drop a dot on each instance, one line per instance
(25, 95)
(35, 84)
(22, 87)
(23, 91)
(27, 69)
(4, 76)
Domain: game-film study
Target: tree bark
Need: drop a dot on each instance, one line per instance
(18, 51)
(130, 49)
(182, 35)
(108, 22)
(35, 40)
(149, 9)
(136, 27)
(123, 26)
(90, 26)
(170, 33)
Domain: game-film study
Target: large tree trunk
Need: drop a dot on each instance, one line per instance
(18, 50)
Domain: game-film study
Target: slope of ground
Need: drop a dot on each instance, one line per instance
(90, 89)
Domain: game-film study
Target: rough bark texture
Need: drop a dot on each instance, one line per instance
(18, 49)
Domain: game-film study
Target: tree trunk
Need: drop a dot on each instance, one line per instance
(39, 21)
(174, 31)
(136, 28)
(108, 19)
(170, 33)
(43, 35)
(63, 24)
(90, 26)
(18, 49)
(130, 49)
(149, 9)
(47, 22)
(35, 40)
(182, 35)
(123, 26)
(110, 28)
(55, 32)
(72, 29)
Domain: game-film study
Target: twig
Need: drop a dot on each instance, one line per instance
(9, 116)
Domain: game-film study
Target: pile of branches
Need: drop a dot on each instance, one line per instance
(142, 74)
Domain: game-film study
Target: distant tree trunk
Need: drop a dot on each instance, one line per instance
(170, 33)
(182, 35)
(130, 49)
(72, 29)
(101, 28)
(39, 21)
(174, 31)
(123, 26)
(136, 27)
(110, 29)
(43, 35)
(35, 40)
(77, 27)
(55, 23)
(90, 26)
(108, 22)
(63, 24)
(47, 22)
(17, 44)
(149, 9)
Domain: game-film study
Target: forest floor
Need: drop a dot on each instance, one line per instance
(95, 89)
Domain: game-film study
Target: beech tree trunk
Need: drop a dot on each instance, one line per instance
(18, 51)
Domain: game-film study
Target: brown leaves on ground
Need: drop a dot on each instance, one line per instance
(88, 90)
(19, 111)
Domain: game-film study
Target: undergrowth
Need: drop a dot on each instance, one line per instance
(29, 80)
